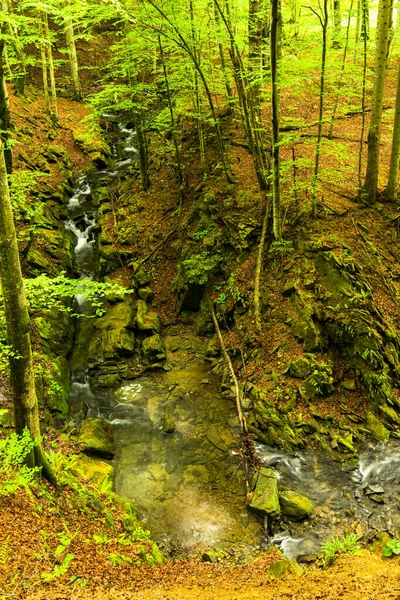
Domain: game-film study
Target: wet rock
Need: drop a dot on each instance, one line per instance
(96, 472)
(307, 558)
(376, 429)
(154, 347)
(349, 384)
(373, 489)
(377, 498)
(283, 568)
(299, 368)
(265, 500)
(295, 506)
(96, 437)
(168, 424)
(146, 319)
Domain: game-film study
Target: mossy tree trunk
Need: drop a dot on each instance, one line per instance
(18, 330)
(5, 113)
(337, 24)
(276, 203)
(374, 133)
(19, 75)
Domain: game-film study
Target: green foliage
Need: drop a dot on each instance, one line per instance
(280, 248)
(13, 472)
(59, 569)
(200, 267)
(336, 545)
(391, 548)
(119, 559)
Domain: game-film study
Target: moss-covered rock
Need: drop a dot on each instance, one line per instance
(295, 506)
(95, 472)
(299, 368)
(154, 347)
(118, 315)
(56, 331)
(283, 568)
(147, 320)
(265, 499)
(376, 429)
(58, 383)
(168, 423)
(96, 437)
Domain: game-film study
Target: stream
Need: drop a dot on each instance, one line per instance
(188, 484)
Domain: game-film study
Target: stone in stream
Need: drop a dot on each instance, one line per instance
(265, 499)
(96, 437)
(95, 472)
(168, 423)
(295, 506)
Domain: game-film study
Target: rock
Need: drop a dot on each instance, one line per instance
(168, 423)
(154, 347)
(213, 349)
(299, 368)
(295, 506)
(373, 489)
(147, 320)
(58, 382)
(146, 294)
(141, 277)
(283, 568)
(95, 472)
(265, 500)
(213, 556)
(377, 498)
(289, 288)
(96, 437)
(377, 430)
(349, 384)
(118, 316)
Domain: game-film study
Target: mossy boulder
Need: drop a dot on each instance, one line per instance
(295, 506)
(96, 437)
(168, 423)
(147, 320)
(154, 347)
(118, 315)
(265, 500)
(56, 332)
(283, 568)
(376, 429)
(299, 368)
(95, 472)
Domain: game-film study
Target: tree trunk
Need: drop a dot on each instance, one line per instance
(363, 95)
(19, 76)
(255, 47)
(18, 330)
(43, 55)
(324, 24)
(50, 64)
(374, 134)
(5, 113)
(392, 185)
(73, 58)
(337, 24)
(276, 203)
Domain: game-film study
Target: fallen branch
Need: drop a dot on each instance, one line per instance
(146, 258)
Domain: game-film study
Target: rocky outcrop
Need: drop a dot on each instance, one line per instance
(96, 438)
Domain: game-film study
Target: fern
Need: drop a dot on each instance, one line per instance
(4, 548)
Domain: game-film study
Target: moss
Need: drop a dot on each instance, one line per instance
(96, 437)
(95, 472)
(376, 429)
(283, 568)
(154, 347)
(265, 500)
(295, 506)
(147, 320)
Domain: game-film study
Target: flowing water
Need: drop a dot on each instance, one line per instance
(189, 484)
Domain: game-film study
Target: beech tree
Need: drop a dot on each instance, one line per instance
(374, 133)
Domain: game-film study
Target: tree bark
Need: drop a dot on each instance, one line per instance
(392, 185)
(276, 202)
(5, 113)
(73, 58)
(374, 134)
(18, 330)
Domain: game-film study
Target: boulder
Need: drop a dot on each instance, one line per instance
(147, 320)
(376, 429)
(58, 383)
(295, 506)
(98, 473)
(118, 315)
(96, 437)
(154, 347)
(283, 568)
(168, 423)
(265, 500)
(299, 368)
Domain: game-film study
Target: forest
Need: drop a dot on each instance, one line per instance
(199, 299)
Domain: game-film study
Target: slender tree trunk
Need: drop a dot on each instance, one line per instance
(392, 185)
(5, 112)
(18, 330)
(374, 134)
(293, 12)
(172, 116)
(324, 24)
(50, 65)
(341, 72)
(43, 55)
(142, 149)
(197, 99)
(337, 24)
(73, 58)
(221, 50)
(20, 75)
(276, 203)
(398, 15)
(358, 23)
(363, 95)
(255, 47)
